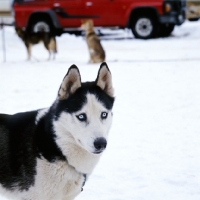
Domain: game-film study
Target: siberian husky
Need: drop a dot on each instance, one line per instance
(97, 53)
(30, 39)
(49, 154)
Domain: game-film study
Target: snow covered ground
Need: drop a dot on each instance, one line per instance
(154, 143)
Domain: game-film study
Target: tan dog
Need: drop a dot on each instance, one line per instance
(30, 39)
(97, 53)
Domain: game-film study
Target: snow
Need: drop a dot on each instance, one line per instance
(154, 144)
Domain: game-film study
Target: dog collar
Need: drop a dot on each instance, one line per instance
(85, 177)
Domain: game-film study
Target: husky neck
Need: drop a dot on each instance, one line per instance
(45, 138)
(63, 146)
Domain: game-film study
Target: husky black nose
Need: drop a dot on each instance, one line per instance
(100, 144)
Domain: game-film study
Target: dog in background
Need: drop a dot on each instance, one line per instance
(30, 39)
(97, 53)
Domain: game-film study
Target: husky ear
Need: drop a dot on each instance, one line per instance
(70, 83)
(104, 79)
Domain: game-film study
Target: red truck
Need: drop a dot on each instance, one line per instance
(146, 18)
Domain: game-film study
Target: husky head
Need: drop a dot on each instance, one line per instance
(84, 110)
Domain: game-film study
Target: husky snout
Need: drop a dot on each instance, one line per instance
(100, 145)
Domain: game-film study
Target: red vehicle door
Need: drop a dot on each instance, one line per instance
(69, 12)
(103, 12)
(106, 12)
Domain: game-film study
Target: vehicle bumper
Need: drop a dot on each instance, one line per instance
(175, 18)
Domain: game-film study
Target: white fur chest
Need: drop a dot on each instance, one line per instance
(54, 181)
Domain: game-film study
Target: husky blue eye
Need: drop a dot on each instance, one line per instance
(104, 115)
(82, 117)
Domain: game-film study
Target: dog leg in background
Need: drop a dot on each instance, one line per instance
(47, 46)
(49, 55)
(53, 47)
(28, 47)
(50, 45)
(92, 53)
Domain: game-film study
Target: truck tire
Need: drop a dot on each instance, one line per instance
(144, 26)
(39, 23)
(166, 29)
(40, 26)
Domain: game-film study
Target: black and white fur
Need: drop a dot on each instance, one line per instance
(48, 154)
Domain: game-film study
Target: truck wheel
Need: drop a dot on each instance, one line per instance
(144, 27)
(166, 29)
(42, 26)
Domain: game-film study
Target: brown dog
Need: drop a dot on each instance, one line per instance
(97, 53)
(30, 39)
